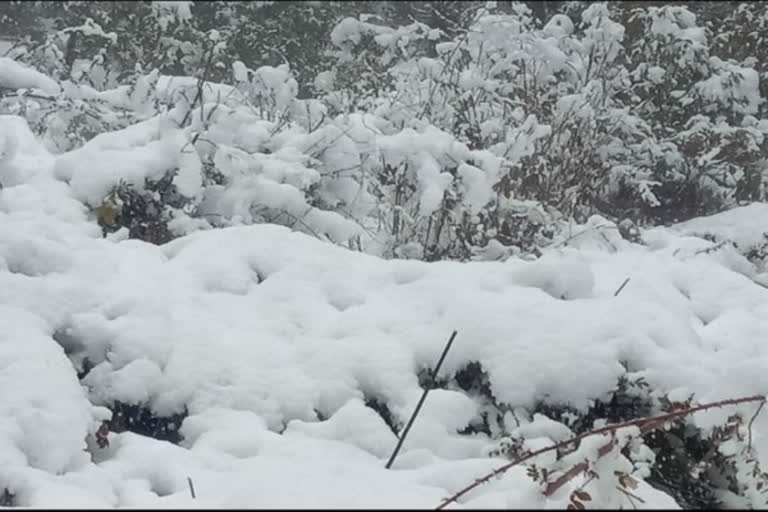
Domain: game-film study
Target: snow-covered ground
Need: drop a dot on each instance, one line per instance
(258, 332)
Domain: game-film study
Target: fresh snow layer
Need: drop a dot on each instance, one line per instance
(744, 226)
(17, 76)
(257, 332)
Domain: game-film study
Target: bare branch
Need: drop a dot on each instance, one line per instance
(749, 427)
(433, 376)
(621, 287)
(191, 488)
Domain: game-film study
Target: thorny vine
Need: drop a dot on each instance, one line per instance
(645, 424)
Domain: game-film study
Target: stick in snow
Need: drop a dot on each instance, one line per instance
(621, 287)
(191, 488)
(433, 378)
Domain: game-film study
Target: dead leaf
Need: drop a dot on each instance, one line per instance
(582, 495)
(101, 435)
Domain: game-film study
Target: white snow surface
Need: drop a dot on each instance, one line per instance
(258, 332)
(17, 76)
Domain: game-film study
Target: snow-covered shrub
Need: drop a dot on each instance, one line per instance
(103, 43)
(706, 149)
(64, 122)
(699, 467)
(280, 33)
(535, 109)
(270, 157)
(741, 37)
(66, 114)
(366, 55)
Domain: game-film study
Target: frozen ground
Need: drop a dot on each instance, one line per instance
(258, 332)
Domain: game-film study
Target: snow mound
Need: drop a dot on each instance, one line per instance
(746, 226)
(14, 75)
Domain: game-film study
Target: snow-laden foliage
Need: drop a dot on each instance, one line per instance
(269, 356)
(708, 147)
(464, 131)
(512, 125)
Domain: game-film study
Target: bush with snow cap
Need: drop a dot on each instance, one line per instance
(480, 145)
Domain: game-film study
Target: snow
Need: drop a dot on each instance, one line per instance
(732, 85)
(133, 164)
(239, 71)
(17, 76)
(676, 22)
(740, 225)
(347, 30)
(257, 331)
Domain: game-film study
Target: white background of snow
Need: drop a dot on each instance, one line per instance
(190, 324)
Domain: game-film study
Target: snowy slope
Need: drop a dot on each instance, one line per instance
(256, 331)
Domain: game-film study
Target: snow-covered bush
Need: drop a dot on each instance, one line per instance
(529, 144)
(534, 108)
(103, 43)
(707, 146)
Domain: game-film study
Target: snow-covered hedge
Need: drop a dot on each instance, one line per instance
(246, 332)
(264, 354)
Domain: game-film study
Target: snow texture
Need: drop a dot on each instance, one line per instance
(17, 76)
(259, 332)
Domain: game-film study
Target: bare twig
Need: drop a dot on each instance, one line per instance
(584, 232)
(191, 488)
(631, 497)
(751, 421)
(647, 423)
(618, 291)
(435, 84)
(200, 85)
(552, 487)
(433, 377)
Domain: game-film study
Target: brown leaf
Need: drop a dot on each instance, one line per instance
(576, 505)
(101, 435)
(626, 481)
(582, 495)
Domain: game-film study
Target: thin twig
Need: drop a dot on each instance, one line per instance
(583, 232)
(200, 86)
(433, 378)
(191, 488)
(552, 487)
(749, 427)
(618, 291)
(591, 477)
(644, 423)
(631, 497)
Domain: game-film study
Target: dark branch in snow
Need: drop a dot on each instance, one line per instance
(618, 291)
(404, 433)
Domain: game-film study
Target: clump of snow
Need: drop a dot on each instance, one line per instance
(107, 166)
(676, 22)
(732, 86)
(45, 412)
(14, 75)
